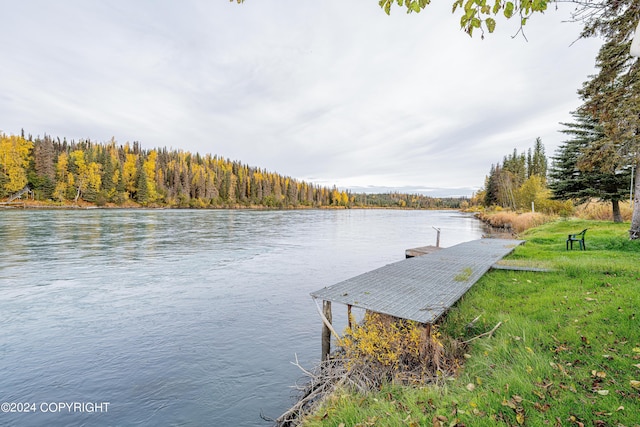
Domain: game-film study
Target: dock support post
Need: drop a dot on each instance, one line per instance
(349, 315)
(326, 332)
(438, 236)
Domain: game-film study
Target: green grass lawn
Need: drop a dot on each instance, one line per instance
(567, 352)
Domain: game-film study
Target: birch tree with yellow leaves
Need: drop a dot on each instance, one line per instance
(15, 154)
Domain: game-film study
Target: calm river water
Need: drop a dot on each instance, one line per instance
(179, 317)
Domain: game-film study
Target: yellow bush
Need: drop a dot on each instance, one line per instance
(399, 349)
(563, 208)
(381, 339)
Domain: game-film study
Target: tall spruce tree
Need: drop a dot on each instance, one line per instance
(142, 188)
(43, 174)
(571, 178)
(537, 162)
(612, 96)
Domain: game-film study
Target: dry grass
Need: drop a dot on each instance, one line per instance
(602, 211)
(519, 222)
(522, 263)
(514, 221)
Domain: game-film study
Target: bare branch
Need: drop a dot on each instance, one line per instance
(489, 333)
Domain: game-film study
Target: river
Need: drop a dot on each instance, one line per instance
(179, 317)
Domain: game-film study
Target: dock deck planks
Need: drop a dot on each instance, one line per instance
(422, 288)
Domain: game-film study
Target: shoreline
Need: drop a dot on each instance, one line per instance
(88, 206)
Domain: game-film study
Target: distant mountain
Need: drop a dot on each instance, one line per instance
(422, 190)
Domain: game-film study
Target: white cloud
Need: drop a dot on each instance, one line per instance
(336, 92)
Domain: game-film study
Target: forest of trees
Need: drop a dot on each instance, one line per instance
(112, 174)
(518, 181)
(573, 177)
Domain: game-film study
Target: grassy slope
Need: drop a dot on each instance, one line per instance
(568, 351)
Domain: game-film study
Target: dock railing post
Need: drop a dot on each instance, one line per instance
(438, 237)
(326, 332)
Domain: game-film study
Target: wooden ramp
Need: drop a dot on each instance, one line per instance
(424, 287)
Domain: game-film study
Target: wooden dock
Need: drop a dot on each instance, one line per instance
(422, 250)
(420, 288)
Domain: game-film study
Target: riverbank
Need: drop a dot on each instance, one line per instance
(34, 204)
(517, 222)
(567, 351)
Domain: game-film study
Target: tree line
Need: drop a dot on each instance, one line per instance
(519, 180)
(115, 174)
(523, 182)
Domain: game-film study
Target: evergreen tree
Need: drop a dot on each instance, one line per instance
(574, 179)
(538, 163)
(142, 192)
(612, 96)
(43, 172)
(491, 186)
(108, 175)
(516, 165)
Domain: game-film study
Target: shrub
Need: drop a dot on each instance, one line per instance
(101, 199)
(555, 207)
(399, 350)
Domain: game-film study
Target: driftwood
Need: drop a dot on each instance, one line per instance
(361, 376)
(438, 360)
(322, 381)
(327, 323)
(472, 324)
(488, 333)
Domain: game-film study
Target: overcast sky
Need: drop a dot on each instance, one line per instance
(333, 92)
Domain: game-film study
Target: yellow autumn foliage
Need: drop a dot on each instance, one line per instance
(404, 349)
(15, 154)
